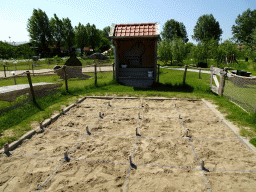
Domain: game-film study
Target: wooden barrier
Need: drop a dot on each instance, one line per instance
(219, 88)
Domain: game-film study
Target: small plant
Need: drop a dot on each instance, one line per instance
(253, 141)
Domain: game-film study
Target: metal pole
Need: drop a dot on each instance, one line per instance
(31, 86)
(199, 72)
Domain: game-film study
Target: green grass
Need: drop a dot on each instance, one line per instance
(44, 64)
(170, 86)
(253, 141)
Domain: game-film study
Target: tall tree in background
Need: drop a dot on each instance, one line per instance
(165, 50)
(69, 33)
(94, 36)
(179, 50)
(81, 37)
(57, 29)
(173, 29)
(206, 28)
(39, 30)
(105, 32)
(245, 24)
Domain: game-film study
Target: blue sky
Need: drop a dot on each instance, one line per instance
(15, 14)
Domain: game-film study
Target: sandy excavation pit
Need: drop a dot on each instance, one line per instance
(162, 155)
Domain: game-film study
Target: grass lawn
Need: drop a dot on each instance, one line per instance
(45, 65)
(16, 122)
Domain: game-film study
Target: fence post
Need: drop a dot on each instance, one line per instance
(211, 69)
(199, 72)
(158, 72)
(4, 71)
(255, 108)
(113, 71)
(31, 86)
(185, 73)
(222, 82)
(33, 69)
(65, 76)
(95, 74)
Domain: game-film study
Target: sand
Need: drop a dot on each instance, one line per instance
(163, 158)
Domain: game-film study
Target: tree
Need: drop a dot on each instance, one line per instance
(173, 29)
(189, 47)
(179, 50)
(206, 28)
(105, 32)
(39, 30)
(245, 24)
(94, 36)
(69, 33)
(104, 44)
(205, 50)
(57, 29)
(81, 37)
(165, 50)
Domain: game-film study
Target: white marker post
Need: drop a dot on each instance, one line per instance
(6, 148)
(41, 126)
(202, 164)
(187, 131)
(66, 155)
(62, 111)
(109, 104)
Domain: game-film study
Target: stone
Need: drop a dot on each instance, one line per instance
(97, 56)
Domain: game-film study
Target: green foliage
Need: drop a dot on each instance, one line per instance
(179, 50)
(57, 30)
(245, 24)
(69, 33)
(206, 28)
(81, 36)
(165, 50)
(173, 29)
(39, 30)
(94, 36)
(104, 45)
(253, 142)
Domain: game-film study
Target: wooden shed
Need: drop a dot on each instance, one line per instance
(135, 53)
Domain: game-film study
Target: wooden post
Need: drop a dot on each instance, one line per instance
(255, 108)
(199, 72)
(222, 83)
(33, 68)
(113, 71)
(95, 74)
(31, 87)
(211, 69)
(65, 76)
(158, 72)
(185, 73)
(4, 71)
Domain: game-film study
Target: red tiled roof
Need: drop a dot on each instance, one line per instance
(135, 29)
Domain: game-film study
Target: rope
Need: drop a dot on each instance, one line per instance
(194, 151)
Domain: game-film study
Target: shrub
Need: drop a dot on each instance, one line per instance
(253, 141)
